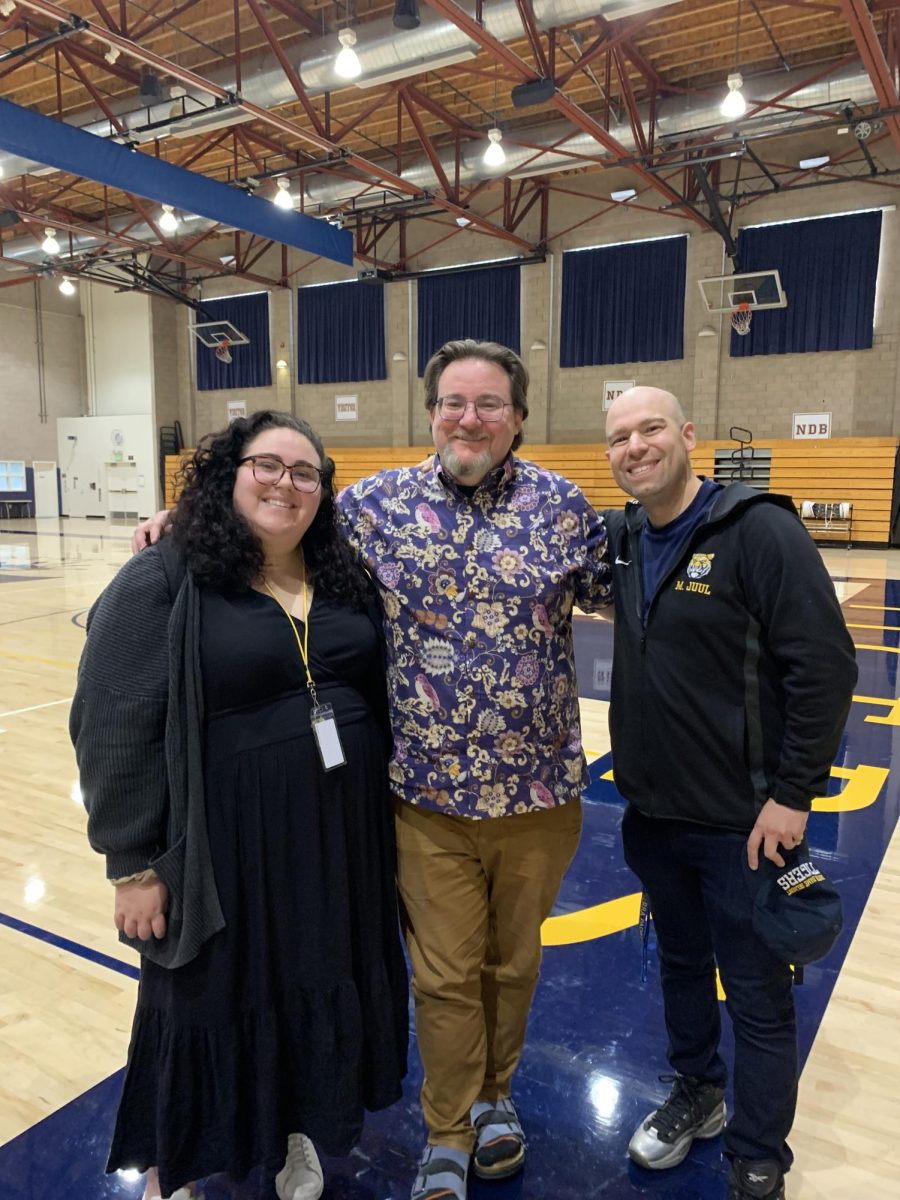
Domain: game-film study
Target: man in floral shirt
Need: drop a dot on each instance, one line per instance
(479, 558)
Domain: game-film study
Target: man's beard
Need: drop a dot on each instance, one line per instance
(469, 469)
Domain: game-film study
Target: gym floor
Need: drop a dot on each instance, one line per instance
(596, 1042)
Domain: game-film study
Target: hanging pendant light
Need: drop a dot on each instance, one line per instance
(168, 222)
(494, 155)
(734, 104)
(347, 64)
(283, 198)
(66, 286)
(50, 245)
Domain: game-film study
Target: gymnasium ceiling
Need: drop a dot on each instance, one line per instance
(244, 91)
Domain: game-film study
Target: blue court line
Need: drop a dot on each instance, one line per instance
(61, 943)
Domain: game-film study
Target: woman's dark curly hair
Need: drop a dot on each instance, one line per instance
(220, 548)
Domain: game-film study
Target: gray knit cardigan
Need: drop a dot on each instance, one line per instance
(136, 724)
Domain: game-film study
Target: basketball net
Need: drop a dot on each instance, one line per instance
(741, 318)
(223, 352)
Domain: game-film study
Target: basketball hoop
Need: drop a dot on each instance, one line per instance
(223, 351)
(741, 318)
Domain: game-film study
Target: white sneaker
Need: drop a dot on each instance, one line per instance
(151, 1188)
(301, 1176)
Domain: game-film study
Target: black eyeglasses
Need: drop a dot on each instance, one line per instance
(266, 469)
(487, 408)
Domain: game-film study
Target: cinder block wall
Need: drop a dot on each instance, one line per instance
(860, 388)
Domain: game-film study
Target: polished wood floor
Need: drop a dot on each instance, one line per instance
(67, 990)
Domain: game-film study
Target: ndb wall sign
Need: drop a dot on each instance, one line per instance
(811, 425)
(613, 388)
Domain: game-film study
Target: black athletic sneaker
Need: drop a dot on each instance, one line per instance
(755, 1179)
(692, 1110)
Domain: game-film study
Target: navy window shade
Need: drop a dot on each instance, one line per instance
(828, 270)
(340, 333)
(623, 304)
(251, 365)
(481, 304)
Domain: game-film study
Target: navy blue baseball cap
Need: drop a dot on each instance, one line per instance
(797, 912)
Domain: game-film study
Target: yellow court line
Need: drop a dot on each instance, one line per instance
(50, 662)
(863, 787)
(878, 607)
(886, 649)
(892, 628)
(588, 923)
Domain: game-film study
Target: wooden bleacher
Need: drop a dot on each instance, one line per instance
(859, 471)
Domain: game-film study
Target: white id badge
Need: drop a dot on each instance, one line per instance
(328, 740)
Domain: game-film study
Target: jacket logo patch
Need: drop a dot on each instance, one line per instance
(699, 566)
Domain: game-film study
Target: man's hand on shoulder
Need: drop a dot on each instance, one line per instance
(150, 531)
(777, 825)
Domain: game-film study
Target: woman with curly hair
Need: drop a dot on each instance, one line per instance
(230, 729)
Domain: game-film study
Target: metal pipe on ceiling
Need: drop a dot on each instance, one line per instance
(676, 117)
(384, 53)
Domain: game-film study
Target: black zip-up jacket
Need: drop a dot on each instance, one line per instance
(737, 687)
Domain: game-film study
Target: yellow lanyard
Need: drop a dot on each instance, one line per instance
(303, 646)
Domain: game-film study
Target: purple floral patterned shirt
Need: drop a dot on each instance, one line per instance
(477, 592)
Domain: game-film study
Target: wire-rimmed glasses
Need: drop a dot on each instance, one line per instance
(487, 408)
(268, 469)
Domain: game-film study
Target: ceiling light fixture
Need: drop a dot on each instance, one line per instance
(168, 222)
(347, 64)
(462, 222)
(6, 7)
(112, 55)
(50, 245)
(283, 197)
(66, 286)
(621, 196)
(494, 155)
(406, 14)
(810, 164)
(734, 105)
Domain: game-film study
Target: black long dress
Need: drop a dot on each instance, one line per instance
(294, 1017)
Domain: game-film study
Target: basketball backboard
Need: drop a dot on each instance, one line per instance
(212, 333)
(757, 289)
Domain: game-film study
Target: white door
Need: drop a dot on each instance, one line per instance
(46, 495)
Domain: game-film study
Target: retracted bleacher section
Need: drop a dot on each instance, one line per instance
(855, 471)
(858, 471)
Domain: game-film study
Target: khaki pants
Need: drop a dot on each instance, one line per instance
(474, 896)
